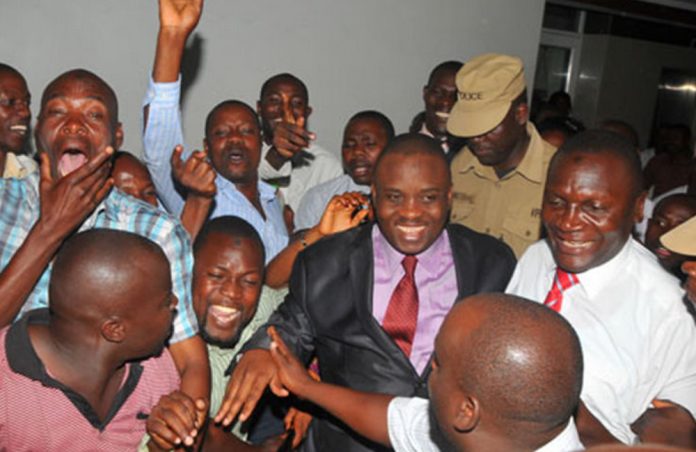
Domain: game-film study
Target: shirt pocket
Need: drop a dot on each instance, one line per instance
(462, 206)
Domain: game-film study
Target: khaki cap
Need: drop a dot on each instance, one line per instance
(681, 239)
(486, 85)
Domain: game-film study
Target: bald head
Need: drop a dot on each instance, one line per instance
(89, 80)
(521, 360)
(99, 273)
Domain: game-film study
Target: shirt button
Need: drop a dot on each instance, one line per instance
(488, 230)
(527, 233)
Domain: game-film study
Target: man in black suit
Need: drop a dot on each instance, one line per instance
(370, 322)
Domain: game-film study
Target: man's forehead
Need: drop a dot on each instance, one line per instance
(243, 111)
(84, 86)
(285, 85)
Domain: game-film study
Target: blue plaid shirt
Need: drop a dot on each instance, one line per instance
(164, 132)
(20, 209)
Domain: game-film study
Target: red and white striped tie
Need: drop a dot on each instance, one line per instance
(562, 282)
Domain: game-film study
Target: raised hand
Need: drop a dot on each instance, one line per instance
(176, 420)
(342, 213)
(290, 135)
(67, 201)
(180, 14)
(196, 175)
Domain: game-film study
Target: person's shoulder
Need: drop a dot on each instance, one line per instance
(338, 246)
(646, 273)
(160, 372)
(134, 215)
(481, 244)
(327, 188)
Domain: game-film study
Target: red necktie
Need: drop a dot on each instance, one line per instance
(562, 282)
(402, 313)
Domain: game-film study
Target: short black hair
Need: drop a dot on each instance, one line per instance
(231, 226)
(377, 116)
(7, 68)
(411, 144)
(595, 141)
(286, 76)
(451, 65)
(230, 103)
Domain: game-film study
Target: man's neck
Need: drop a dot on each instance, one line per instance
(527, 437)
(97, 379)
(250, 190)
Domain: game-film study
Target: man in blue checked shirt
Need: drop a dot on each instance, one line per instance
(232, 137)
(76, 132)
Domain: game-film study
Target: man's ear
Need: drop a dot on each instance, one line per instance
(449, 198)
(258, 107)
(468, 414)
(308, 111)
(118, 136)
(425, 92)
(639, 207)
(522, 113)
(113, 329)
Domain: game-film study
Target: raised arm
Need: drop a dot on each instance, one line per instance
(65, 203)
(341, 214)
(162, 116)
(197, 177)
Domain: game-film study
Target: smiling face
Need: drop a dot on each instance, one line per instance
(282, 95)
(412, 195)
(233, 142)
(15, 115)
(669, 213)
(227, 280)
(439, 95)
(589, 209)
(363, 141)
(78, 119)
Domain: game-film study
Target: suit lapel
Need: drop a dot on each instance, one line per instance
(463, 262)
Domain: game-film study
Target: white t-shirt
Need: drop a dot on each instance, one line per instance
(408, 422)
(637, 337)
(322, 167)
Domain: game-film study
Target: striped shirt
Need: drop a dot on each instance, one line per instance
(20, 210)
(38, 412)
(220, 358)
(164, 132)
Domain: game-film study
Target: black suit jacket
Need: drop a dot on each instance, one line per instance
(328, 311)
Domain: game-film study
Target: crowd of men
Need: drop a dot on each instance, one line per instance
(467, 285)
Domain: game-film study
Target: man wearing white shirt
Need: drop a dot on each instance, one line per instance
(506, 377)
(636, 335)
(289, 157)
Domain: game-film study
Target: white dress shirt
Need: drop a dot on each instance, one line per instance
(637, 337)
(409, 426)
(322, 167)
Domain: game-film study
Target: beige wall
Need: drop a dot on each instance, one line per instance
(353, 55)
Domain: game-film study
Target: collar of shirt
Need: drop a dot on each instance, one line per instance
(266, 191)
(16, 166)
(567, 440)
(22, 359)
(531, 167)
(595, 279)
(431, 260)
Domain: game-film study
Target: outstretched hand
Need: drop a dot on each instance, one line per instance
(68, 200)
(196, 175)
(342, 213)
(182, 15)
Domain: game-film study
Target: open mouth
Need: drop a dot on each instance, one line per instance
(360, 168)
(411, 233)
(70, 160)
(224, 316)
(571, 246)
(20, 129)
(663, 253)
(442, 114)
(235, 156)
